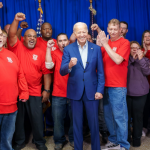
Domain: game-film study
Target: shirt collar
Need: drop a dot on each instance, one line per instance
(84, 45)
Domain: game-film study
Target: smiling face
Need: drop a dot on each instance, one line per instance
(146, 38)
(30, 38)
(46, 31)
(1, 39)
(81, 32)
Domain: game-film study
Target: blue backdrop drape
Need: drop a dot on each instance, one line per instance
(62, 14)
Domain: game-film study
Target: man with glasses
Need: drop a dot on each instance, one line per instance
(33, 62)
(124, 28)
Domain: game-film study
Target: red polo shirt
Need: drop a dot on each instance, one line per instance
(60, 82)
(116, 75)
(33, 64)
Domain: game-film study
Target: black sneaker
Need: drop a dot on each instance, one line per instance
(18, 147)
(41, 147)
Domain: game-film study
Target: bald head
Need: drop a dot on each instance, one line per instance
(30, 38)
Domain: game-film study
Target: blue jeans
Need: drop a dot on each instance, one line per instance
(116, 115)
(7, 129)
(59, 109)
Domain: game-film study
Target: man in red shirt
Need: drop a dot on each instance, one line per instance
(12, 84)
(33, 62)
(115, 51)
(59, 101)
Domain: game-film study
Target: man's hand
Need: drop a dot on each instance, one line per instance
(98, 42)
(23, 100)
(24, 24)
(20, 17)
(98, 96)
(1, 4)
(140, 54)
(72, 62)
(103, 38)
(95, 27)
(50, 43)
(45, 96)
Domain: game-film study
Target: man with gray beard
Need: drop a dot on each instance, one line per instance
(33, 62)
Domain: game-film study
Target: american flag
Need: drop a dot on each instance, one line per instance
(38, 27)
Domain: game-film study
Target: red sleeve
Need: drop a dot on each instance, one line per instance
(22, 40)
(22, 85)
(124, 49)
(16, 47)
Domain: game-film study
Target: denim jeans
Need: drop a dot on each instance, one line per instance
(7, 129)
(59, 109)
(116, 115)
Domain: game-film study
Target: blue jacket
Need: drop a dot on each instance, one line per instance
(91, 78)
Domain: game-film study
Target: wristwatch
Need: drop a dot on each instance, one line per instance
(48, 91)
(21, 28)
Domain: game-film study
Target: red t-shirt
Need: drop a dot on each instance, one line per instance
(33, 64)
(116, 75)
(60, 82)
(12, 82)
(42, 44)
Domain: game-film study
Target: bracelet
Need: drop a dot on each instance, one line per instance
(21, 28)
(48, 91)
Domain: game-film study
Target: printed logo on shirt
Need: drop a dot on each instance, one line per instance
(35, 57)
(9, 60)
(114, 49)
(53, 48)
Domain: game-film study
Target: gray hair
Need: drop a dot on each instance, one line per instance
(79, 23)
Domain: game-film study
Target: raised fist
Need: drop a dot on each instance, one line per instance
(24, 24)
(94, 26)
(50, 43)
(72, 62)
(20, 17)
(1, 4)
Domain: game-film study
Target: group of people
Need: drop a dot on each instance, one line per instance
(107, 81)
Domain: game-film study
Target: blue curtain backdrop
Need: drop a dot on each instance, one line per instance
(63, 14)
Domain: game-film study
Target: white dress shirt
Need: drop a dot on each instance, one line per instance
(83, 53)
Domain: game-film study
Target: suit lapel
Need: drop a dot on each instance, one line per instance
(77, 53)
(90, 50)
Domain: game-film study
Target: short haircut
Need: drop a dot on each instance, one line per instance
(62, 34)
(135, 43)
(45, 23)
(124, 23)
(146, 31)
(79, 23)
(4, 32)
(114, 22)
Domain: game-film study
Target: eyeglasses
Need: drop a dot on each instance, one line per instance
(123, 28)
(30, 36)
(137, 48)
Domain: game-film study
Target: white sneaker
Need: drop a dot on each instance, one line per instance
(111, 145)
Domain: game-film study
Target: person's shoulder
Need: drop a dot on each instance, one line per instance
(123, 40)
(10, 53)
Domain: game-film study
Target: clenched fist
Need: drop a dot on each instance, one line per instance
(24, 24)
(95, 27)
(72, 62)
(50, 44)
(20, 17)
